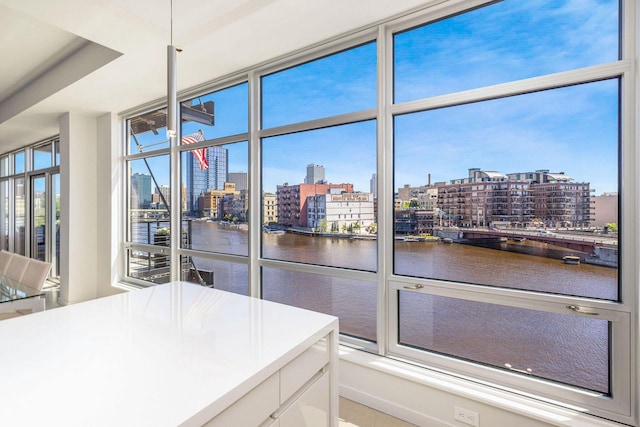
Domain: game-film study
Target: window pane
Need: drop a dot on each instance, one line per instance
(513, 224)
(152, 267)
(19, 159)
(4, 166)
(39, 213)
(55, 262)
(42, 157)
(329, 216)
(148, 132)
(223, 275)
(56, 145)
(505, 41)
(149, 218)
(217, 114)
(4, 214)
(353, 301)
(219, 199)
(19, 216)
(565, 348)
(341, 83)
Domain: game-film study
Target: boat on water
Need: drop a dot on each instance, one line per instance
(571, 259)
(447, 240)
(272, 231)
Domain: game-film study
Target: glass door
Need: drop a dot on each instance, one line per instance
(39, 208)
(45, 219)
(19, 216)
(54, 204)
(5, 199)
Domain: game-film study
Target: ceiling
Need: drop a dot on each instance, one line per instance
(91, 57)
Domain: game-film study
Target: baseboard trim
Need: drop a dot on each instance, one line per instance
(393, 409)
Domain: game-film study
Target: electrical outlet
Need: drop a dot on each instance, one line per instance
(466, 416)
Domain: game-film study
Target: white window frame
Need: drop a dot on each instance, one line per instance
(618, 407)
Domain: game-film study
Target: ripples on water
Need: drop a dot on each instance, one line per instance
(564, 348)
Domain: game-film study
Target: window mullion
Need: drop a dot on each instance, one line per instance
(255, 179)
(385, 186)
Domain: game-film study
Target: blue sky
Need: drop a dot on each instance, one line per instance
(572, 130)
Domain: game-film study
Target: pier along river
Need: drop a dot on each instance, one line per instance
(561, 347)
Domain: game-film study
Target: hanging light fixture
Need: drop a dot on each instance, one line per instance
(172, 87)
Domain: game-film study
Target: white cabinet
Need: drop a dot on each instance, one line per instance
(298, 395)
(311, 408)
(253, 409)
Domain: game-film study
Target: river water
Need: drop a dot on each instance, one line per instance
(564, 348)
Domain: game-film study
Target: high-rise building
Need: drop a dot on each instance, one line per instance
(315, 174)
(218, 159)
(200, 181)
(163, 196)
(140, 191)
(373, 185)
(240, 179)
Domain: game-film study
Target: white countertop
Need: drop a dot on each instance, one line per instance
(162, 356)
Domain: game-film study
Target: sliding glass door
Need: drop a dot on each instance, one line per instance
(39, 217)
(44, 200)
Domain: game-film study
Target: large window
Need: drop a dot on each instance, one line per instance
(30, 194)
(319, 175)
(518, 171)
(148, 198)
(215, 177)
(212, 199)
(448, 184)
(513, 180)
(330, 213)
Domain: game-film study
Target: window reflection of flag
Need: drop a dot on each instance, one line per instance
(200, 153)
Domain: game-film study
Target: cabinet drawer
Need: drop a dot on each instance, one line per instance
(253, 408)
(301, 369)
(311, 409)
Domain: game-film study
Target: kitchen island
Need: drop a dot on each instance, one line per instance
(170, 355)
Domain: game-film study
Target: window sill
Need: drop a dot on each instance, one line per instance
(450, 390)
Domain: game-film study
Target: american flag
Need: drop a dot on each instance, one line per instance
(200, 153)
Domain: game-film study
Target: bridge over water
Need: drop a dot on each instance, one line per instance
(575, 242)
